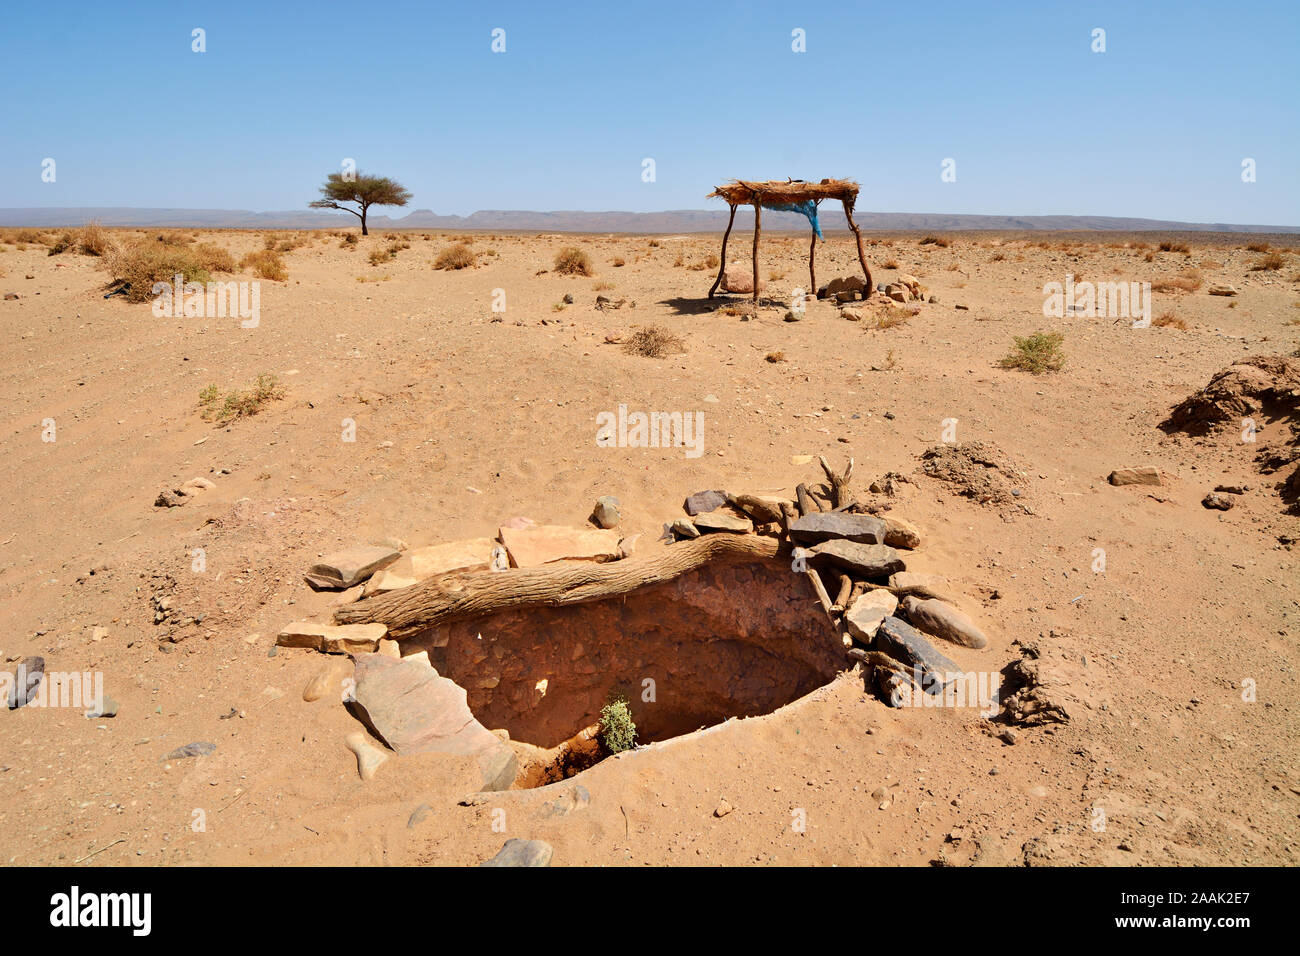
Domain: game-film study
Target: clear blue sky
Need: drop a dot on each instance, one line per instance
(1157, 126)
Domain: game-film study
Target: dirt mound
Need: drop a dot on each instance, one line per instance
(1260, 384)
(980, 471)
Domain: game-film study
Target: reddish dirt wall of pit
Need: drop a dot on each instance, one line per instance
(718, 642)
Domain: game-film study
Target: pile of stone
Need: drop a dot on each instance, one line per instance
(886, 614)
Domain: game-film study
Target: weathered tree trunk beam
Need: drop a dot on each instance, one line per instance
(455, 597)
(758, 220)
(722, 269)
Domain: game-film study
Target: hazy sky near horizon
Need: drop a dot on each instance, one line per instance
(1035, 121)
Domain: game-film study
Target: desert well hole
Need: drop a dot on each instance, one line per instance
(718, 641)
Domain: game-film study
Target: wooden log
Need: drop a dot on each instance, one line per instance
(862, 257)
(807, 503)
(820, 588)
(455, 597)
(758, 220)
(846, 590)
(722, 269)
(839, 484)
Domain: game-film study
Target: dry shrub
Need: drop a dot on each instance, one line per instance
(998, 257)
(93, 239)
(1170, 246)
(350, 241)
(1257, 247)
(890, 264)
(891, 317)
(654, 341)
(618, 263)
(143, 262)
(266, 263)
(239, 404)
(1270, 263)
(23, 236)
(1037, 353)
(939, 241)
(1169, 321)
(459, 256)
(63, 243)
(774, 357)
(1187, 282)
(572, 261)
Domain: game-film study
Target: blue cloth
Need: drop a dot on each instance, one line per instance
(807, 209)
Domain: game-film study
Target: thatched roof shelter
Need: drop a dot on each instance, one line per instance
(740, 192)
(791, 195)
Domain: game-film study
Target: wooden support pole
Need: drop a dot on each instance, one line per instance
(862, 257)
(758, 225)
(722, 269)
(812, 269)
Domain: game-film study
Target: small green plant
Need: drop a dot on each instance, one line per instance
(237, 404)
(617, 732)
(1037, 353)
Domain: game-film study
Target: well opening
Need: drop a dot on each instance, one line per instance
(718, 641)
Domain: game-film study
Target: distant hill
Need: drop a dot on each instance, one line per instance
(669, 221)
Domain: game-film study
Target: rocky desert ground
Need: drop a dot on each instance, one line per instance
(1146, 638)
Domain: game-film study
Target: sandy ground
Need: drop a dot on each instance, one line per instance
(462, 422)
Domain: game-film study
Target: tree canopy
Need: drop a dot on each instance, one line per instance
(365, 191)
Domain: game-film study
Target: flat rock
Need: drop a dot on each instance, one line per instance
(413, 710)
(574, 798)
(1222, 288)
(901, 534)
(865, 614)
(518, 852)
(200, 748)
(1217, 501)
(343, 569)
(369, 757)
(530, 547)
(725, 521)
(332, 638)
(943, 620)
(683, 528)
(762, 509)
(868, 560)
(420, 564)
(825, 526)
(703, 501)
(169, 499)
(418, 816)
(906, 644)
(1146, 475)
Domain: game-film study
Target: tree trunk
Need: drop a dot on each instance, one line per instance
(363, 222)
(457, 597)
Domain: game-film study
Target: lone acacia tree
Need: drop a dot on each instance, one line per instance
(365, 191)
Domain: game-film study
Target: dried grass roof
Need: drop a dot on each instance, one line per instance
(740, 192)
